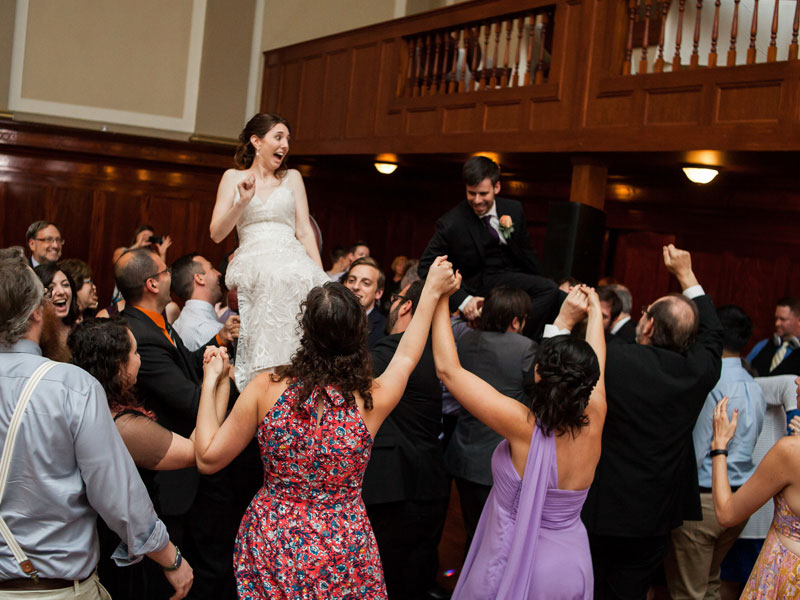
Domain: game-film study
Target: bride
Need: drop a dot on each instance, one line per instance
(277, 262)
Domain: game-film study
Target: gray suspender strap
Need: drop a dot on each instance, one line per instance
(5, 465)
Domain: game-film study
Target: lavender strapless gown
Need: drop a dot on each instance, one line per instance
(530, 542)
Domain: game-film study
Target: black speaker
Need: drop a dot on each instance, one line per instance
(574, 241)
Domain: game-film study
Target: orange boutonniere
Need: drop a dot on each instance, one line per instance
(506, 226)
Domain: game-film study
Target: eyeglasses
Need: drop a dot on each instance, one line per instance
(159, 274)
(395, 297)
(50, 240)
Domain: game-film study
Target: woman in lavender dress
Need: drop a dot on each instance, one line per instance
(530, 542)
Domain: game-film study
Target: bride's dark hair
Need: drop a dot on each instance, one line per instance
(333, 347)
(259, 125)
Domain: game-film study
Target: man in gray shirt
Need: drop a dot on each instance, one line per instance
(68, 464)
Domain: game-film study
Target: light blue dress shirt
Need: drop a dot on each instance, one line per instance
(746, 395)
(69, 465)
(197, 323)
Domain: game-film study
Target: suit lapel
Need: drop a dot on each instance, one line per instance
(474, 227)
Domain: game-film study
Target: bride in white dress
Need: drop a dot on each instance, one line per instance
(277, 262)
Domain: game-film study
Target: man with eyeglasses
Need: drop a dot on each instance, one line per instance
(44, 242)
(198, 508)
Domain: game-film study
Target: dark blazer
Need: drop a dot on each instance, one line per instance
(459, 235)
(169, 384)
(406, 461)
(646, 480)
(376, 323)
(504, 360)
(790, 365)
(627, 333)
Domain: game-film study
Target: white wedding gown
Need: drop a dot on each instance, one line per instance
(273, 274)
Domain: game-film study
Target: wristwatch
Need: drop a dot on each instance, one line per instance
(178, 560)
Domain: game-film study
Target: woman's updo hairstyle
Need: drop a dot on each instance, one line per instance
(333, 346)
(568, 371)
(259, 125)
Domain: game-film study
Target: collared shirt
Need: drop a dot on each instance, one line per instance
(760, 346)
(197, 323)
(745, 394)
(158, 319)
(618, 325)
(69, 465)
(494, 222)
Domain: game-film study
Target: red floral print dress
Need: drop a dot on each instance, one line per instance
(306, 532)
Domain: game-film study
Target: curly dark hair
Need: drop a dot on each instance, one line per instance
(333, 347)
(258, 126)
(46, 272)
(101, 348)
(568, 370)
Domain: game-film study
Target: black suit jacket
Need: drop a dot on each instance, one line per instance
(169, 384)
(458, 234)
(377, 326)
(406, 461)
(646, 480)
(790, 365)
(627, 333)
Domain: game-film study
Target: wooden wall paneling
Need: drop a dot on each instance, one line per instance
(751, 103)
(310, 99)
(365, 83)
(290, 88)
(639, 264)
(335, 97)
(673, 106)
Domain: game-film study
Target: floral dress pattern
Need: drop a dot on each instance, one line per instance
(306, 533)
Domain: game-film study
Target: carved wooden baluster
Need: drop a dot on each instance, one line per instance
(772, 51)
(540, 65)
(676, 60)
(712, 56)
(734, 34)
(648, 7)
(476, 48)
(658, 67)
(485, 71)
(520, 21)
(751, 51)
(795, 29)
(497, 27)
(426, 73)
(695, 58)
(529, 59)
(436, 64)
(508, 24)
(412, 45)
(447, 44)
(626, 66)
(466, 42)
(455, 44)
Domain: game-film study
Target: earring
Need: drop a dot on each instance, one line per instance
(258, 151)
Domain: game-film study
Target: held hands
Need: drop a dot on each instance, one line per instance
(247, 188)
(574, 308)
(723, 427)
(794, 425)
(592, 299)
(216, 362)
(441, 279)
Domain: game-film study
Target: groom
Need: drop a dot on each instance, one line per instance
(486, 238)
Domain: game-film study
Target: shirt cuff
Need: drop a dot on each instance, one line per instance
(464, 303)
(552, 331)
(694, 291)
(125, 556)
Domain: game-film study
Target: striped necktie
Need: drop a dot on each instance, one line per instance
(779, 355)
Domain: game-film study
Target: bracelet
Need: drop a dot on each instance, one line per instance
(178, 560)
(720, 452)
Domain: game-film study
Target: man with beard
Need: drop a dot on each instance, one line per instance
(66, 464)
(405, 485)
(197, 282)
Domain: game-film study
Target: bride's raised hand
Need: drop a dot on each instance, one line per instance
(247, 188)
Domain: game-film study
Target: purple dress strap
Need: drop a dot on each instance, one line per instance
(530, 542)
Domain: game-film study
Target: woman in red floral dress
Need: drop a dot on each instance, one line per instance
(306, 532)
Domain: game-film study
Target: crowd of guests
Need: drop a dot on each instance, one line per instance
(592, 454)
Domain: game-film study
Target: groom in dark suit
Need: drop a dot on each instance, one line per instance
(486, 238)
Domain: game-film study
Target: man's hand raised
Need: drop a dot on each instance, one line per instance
(679, 263)
(573, 310)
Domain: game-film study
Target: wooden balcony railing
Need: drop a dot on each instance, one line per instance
(510, 50)
(664, 24)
